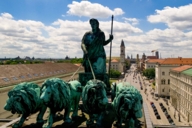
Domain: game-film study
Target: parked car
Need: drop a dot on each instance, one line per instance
(164, 109)
(158, 117)
(154, 109)
(153, 105)
(156, 113)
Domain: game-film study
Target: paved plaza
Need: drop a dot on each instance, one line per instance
(148, 98)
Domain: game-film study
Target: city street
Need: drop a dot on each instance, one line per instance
(145, 89)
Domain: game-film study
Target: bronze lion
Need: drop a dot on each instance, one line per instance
(58, 95)
(95, 101)
(24, 99)
(127, 104)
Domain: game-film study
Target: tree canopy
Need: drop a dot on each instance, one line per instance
(149, 73)
(114, 73)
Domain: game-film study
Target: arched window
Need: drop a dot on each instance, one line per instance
(163, 73)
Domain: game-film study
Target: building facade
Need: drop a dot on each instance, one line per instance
(180, 90)
(151, 63)
(162, 73)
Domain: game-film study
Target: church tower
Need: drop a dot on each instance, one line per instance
(122, 52)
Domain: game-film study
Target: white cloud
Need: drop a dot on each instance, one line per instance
(133, 21)
(63, 37)
(6, 15)
(88, 9)
(33, 38)
(177, 18)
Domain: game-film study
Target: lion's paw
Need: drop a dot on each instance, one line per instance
(68, 121)
(16, 126)
(117, 124)
(46, 126)
(40, 121)
(89, 122)
(74, 117)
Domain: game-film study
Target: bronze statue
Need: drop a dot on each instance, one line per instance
(24, 99)
(58, 95)
(127, 104)
(95, 102)
(92, 46)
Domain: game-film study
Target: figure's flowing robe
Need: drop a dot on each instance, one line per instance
(94, 43)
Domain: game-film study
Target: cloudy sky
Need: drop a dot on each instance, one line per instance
(54, 28)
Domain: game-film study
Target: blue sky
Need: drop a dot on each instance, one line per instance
(54, 28)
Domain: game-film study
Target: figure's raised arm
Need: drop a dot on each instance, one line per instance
(109, 40)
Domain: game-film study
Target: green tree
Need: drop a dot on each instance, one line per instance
(114, 73)
(149, 73)
(127, 64)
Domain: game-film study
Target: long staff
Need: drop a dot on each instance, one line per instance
(110, 47)
(91, 69)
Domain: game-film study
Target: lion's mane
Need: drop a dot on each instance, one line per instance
(87, 96)
(29, 94)
(128, 103)
(60, 93)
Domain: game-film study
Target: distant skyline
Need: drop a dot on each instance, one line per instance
(54, 28)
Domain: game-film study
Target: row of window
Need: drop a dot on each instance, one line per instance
(151, 66)
(183, 78)
(164, 90)
(163, 81)
(181, 85)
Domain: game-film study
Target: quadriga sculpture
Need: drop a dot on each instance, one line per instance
(59, 95)
(127, 105)
(95, 101)
(24, 99)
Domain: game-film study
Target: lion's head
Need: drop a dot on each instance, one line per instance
(23, 98)
(55, 93)
(128, 103)
(94, 96)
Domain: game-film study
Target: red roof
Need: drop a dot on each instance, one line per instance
(177, 61)
(181, 68)
(155, 60)
(114, 60)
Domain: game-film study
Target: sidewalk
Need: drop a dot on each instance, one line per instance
(171, 110)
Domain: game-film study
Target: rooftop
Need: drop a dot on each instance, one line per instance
(154, 60)
(114, 60)
(188, 72)
(177, 61)
(181, 68)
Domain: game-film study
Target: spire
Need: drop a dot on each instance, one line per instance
(122, 44)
